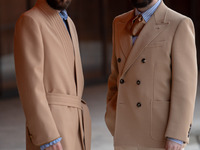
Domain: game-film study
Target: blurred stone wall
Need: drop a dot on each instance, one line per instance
(9, 12)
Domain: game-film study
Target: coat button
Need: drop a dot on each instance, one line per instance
(139, 104)
(144, 60)
(119, 60)
(138, 82)
(122, 81)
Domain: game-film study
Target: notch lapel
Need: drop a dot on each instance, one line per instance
(151, 30)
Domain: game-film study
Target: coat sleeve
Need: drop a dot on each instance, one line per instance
(29, 65)
(112, 90)
(184, 82)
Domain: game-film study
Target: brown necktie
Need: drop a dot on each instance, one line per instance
(138, 23)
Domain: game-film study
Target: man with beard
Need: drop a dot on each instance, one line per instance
(50, 79)
(153, 80)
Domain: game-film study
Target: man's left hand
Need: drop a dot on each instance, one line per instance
(170, 145)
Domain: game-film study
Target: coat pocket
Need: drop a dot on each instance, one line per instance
(159, 119)
(157, 44)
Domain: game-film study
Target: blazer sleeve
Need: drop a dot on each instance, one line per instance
(29, 65)
(112, 90)
(184, 82)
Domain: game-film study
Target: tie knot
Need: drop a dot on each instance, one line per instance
(64, 14)
(138, 18)
(137, 24)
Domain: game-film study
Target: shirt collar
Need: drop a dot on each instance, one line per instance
(148, 13)
(63, 14)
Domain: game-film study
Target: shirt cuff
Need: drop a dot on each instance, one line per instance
(175, 140)
(50, 144)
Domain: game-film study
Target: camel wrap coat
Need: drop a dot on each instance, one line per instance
(152, 85)
(50, 79)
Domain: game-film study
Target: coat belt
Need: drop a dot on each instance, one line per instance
(84, 115)
(66, 100)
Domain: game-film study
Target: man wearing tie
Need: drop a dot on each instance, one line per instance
(153, 80)
(50, 79)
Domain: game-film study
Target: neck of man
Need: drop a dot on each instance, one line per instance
(148, 6)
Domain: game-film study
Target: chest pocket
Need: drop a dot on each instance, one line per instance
(158, 52)
(157, 44)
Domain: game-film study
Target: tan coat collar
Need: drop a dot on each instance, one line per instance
(152, 29)
(78, 64)
(68, 42)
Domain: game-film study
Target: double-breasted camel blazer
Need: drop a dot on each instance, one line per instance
(152, 85)
(50, 79)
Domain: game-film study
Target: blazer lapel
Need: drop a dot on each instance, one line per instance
(151, 30)
(78, 65)
(125, 38)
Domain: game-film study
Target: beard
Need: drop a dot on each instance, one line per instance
(59, 4)
(140, 3)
